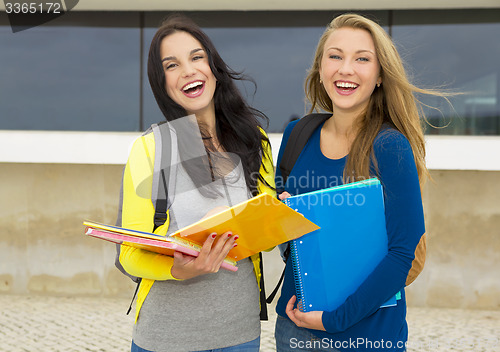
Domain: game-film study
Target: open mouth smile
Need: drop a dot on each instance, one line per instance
(345, 88)
(193, 89)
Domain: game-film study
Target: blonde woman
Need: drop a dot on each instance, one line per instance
(374, 130)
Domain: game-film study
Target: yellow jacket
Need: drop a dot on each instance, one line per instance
(138, 214)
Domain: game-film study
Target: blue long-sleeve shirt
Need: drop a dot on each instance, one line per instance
(360, 319)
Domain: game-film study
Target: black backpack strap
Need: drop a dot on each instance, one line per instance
(275, 291)
(135, 294)
(299, 136)
(263, 301)
(164, 174)
(163, 179)
(118, 246)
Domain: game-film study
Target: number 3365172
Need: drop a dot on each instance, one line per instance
(31, 7)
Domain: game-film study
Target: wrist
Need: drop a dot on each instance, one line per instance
(176, 274)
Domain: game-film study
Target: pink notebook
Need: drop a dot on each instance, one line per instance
(162, 245)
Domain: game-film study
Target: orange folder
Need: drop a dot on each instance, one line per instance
(261, 223)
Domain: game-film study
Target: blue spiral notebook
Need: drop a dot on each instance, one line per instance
(330, 263)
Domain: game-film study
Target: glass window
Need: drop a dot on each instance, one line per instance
(83, 70)
(275, 58)
(274, 48)
(67, 76)
(278, 60)
(456, 50)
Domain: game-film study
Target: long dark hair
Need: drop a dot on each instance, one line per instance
(237, 124)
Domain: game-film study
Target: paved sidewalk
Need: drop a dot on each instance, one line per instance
(46, 324)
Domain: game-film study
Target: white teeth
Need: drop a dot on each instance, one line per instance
(346, 85)
(192, 85)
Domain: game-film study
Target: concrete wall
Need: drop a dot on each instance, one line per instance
(43, 249)
(42, 246)
(462, 210)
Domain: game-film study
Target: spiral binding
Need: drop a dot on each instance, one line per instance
(299, 288)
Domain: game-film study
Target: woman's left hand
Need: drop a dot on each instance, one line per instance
(309, 320)
(284, 195)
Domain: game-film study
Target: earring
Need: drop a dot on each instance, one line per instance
(378, 85)
(320, 81)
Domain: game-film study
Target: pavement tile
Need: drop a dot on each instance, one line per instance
(67, 324)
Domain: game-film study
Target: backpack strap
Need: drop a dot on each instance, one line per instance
(164, 178)
(299, 136)
(275, 291)
(118, 246)
(164, 174)
(263, 300)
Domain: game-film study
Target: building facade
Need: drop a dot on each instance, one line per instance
(74, 94)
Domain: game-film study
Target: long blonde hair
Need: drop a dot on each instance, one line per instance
(393, 102)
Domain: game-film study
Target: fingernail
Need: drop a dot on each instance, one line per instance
(234, 245)
(213, 235)
(236, 237)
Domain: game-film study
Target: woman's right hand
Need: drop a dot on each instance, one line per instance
(208, 261)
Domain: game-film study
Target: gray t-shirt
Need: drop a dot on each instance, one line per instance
(210, 311)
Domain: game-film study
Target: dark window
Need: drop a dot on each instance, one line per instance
(274, 48)
(458, 51)
(79, 72)
(275, 58)
(87, 70)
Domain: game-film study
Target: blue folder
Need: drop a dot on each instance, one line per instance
(331, 263)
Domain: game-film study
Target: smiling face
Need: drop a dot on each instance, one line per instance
(189, 79)
(349, 69)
